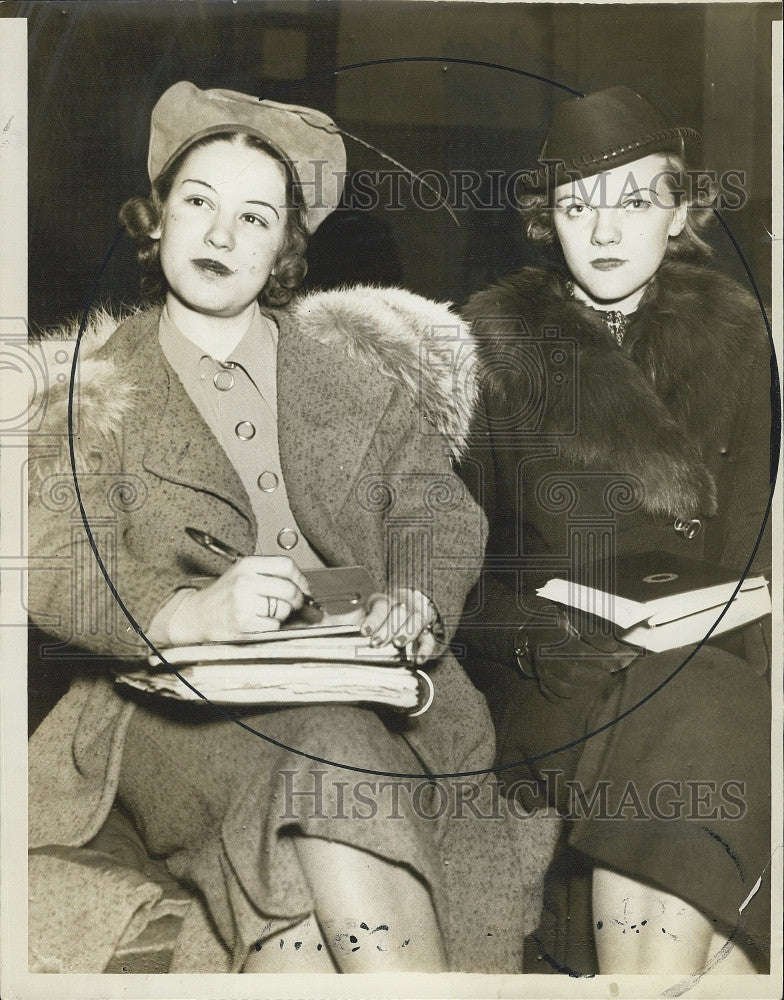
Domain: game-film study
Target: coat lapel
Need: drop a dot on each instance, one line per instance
(326, 423)
(178, 444)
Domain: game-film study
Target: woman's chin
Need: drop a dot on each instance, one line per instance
(217, 307)
(613, 294)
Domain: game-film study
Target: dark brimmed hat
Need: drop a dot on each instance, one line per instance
(308, 139)
(603, 130)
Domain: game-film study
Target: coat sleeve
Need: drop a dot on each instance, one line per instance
(434, 530)
(745, 528)
(81, 572)
(492, 613)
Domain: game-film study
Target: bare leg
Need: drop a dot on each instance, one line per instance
(376, 916)
(642, 930)
(301, 948)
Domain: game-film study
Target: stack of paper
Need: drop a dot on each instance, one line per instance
(284, 671)
(662, 601)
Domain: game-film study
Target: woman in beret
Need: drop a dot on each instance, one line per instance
(299, 430)
(627, 408)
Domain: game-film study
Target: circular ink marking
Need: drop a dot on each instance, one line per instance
(660, 578)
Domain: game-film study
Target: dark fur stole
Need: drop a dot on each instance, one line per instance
(653, 409)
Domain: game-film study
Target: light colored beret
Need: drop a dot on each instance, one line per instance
(308, 139)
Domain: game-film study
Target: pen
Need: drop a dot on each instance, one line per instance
(220, 548)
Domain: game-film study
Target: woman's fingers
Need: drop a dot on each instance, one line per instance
(401, 618)
(277, 576)
(426, 647)
(253, 596)
(384, 619)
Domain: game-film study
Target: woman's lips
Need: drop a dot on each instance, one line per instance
(606, 263)
(213, 266)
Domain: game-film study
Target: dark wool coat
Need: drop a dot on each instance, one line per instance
(585, 448)
(582, 437)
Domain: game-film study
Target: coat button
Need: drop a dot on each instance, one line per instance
(268, 482)
(245, 430)
(287, 538)
(223, 380)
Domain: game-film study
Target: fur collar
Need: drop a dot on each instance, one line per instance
(652, 410)
(419, 344)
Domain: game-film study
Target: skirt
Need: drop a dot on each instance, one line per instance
(662, 771)
(219, 803)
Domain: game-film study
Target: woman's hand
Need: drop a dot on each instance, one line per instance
(404, 617)
(253, 596)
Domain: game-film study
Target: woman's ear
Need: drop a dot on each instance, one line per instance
(678, 221)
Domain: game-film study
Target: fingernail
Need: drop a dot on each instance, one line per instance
(365, 630)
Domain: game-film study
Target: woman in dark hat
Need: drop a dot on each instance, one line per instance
(627, 410)
(288, 427)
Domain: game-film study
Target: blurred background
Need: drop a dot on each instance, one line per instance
(452, 86)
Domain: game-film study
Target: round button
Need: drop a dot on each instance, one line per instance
(268, 482)
(223, 380)
(287, 538)
(245, 430)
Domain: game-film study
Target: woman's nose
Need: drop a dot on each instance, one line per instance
(220, 234)
(606, 228)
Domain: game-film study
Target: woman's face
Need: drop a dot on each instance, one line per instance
(222, 227)
(614, 227)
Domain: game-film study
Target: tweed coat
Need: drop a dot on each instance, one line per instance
(375, 391)
(365, 436)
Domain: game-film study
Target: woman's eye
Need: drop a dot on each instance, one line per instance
(637, 205)
(573, 211)
(257, 220)
(196, 201)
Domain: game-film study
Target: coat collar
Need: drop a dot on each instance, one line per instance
(312, 429)
(343, 356)
(648, 409)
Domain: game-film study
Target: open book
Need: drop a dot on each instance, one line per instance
(303, 669)
(662, 601)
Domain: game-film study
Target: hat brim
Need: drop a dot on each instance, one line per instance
(555, 171)
(229, 129)
(306, 139)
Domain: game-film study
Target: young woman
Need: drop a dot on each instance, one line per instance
(627, 401)
(290, 428)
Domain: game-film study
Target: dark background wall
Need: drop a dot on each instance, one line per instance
(460, 92)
